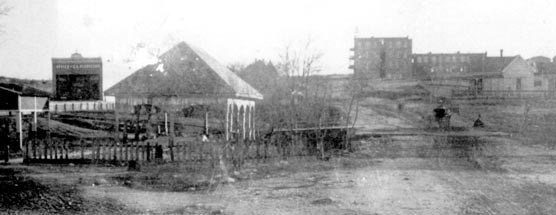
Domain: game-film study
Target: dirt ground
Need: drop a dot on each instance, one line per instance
(402, 175)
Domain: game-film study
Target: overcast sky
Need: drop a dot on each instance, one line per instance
(240, 31)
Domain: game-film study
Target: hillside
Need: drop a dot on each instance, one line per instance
(44, 85)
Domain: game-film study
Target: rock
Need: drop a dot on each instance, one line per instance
(201, 179)
(71, 164)
(217, 212)
(100, 181)
(229, 180)
(323, 201)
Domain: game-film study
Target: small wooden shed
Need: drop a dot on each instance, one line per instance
(18, 100)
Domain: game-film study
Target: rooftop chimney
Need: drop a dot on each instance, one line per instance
(501, 52)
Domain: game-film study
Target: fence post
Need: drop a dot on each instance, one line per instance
(55, 148)
(148, 151)
(82, 149)
(102, 150)
(115, 150)
(177, 146)
(66, 144)
(142, 152)
(45, 149)
(171, 145)
(184, 151)
(190, 151)
(126, 151)
(137, 151)
(121, 149)
(34, 142)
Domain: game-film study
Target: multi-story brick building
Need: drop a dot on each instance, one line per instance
(77, 78)
(382, 58)
(438, 65)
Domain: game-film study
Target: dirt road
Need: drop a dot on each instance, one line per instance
(421, 177)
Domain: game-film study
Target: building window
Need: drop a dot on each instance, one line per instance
(538, 83)
(518, 84)
(433, 59)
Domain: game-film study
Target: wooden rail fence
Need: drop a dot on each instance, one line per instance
(109, 151)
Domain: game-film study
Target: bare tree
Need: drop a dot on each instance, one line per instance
(354, 88)
(236, 67)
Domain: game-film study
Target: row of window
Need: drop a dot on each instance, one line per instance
(440, 59)
(368, 54)
(448, 69)
(384, 43)
(388, 65)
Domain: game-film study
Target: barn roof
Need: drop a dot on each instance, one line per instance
(185, 70)
(498, 64)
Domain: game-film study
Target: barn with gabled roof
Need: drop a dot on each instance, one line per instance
(186, 76)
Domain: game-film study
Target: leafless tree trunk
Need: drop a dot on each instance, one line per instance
(355, 89)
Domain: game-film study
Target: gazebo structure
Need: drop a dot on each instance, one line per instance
(19, 100)
(186, 76)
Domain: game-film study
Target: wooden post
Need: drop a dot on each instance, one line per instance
(102, 150)
(166, 123)
(51, 151)
(148, 151)
(121, 149)
(201, 147)
(126, 146)
(45, 149)
(55, 149)
(82, 149)
(184, 151)
(177, 145)
(190, 151)
(115, 150)
(137, 151)
(66, 146)
(206, 123)
(172, 135)
(117, 124)
(226, 126)
(141, 151)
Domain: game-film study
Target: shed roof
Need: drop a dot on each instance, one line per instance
(23, 90)
(185, 70)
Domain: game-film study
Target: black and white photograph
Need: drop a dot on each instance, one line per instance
(294, 107)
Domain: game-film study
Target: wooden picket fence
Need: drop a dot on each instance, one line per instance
(101, 151)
